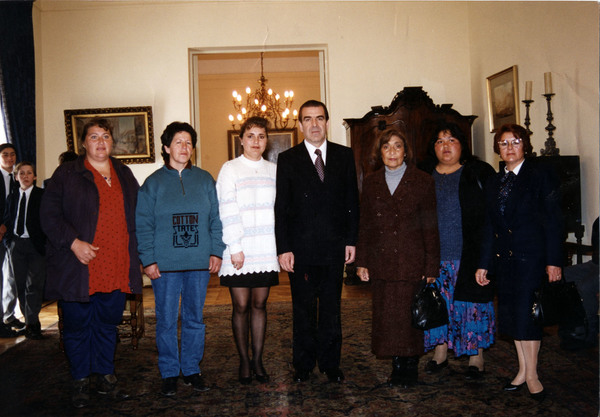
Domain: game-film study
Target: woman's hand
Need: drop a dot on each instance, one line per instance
(84, 251)
(430, 280)
(152, 271)
(214, 264)
(237, 260)
(554, 273)
(481, 277)
(363, 273)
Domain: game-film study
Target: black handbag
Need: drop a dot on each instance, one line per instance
(557, 303)
(429, 307)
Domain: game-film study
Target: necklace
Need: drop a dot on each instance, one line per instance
(107, 179)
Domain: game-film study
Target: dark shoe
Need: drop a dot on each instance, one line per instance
(512, 388)
(80, 396)
(411, 376)
(473, 373)
(34, 332)
(263, 377)
(301, 375)
(334, 375)
(107, 385)
(539, 396)
(398, 371)
(244, 380)
(16, 324)
(433, 367)
(169, 386)
(6, 332)
(196, 381)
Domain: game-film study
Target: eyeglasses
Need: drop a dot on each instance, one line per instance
(514, 142)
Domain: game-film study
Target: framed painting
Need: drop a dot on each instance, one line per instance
(279, 141)
(503, 98)
(133, 131)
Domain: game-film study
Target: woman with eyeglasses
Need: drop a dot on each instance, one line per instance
(521, 246)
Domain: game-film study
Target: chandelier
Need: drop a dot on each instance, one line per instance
(265, 103)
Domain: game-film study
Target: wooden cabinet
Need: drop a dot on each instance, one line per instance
(413, 112)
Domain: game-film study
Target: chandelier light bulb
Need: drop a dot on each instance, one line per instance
(263, 108)
(286, 94)
(291, 94)
(244, 111)
(276, 96)
(239, 98)
(231, 117)
(239, 117)
(270, 92)
(256, 101)
(234, 94)
(248, 91)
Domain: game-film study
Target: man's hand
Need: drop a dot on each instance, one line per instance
(286, 260)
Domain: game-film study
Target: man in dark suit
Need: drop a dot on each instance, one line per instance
(26, 243)
(316, 227)
(8, 185)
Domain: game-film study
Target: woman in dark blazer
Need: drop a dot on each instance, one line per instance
(459, 180)
(522, 246)
(398, 246)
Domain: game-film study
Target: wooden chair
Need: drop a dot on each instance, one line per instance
(133, 318)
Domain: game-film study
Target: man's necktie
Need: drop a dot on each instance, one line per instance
(21, 219)
(320, 165)
(12, 184)
(506, 184)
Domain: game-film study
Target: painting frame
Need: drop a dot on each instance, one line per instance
(503, 98)
(279, 141)
(133, 131)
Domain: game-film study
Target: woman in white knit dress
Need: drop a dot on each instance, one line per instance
(246, 192)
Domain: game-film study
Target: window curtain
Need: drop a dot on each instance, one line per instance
(17, 76)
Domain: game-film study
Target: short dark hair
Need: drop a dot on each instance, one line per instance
(313, 103)
(454, 131)
(384, 138)
(255, 121)
(25, 163)
(520, 133)
(101, 122)
(7, 145)
(66, 156)
(169, 133)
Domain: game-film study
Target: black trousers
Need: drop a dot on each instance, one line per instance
(316, 298)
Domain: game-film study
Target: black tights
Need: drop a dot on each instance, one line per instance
(249, 305)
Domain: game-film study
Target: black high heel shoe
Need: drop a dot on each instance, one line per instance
(512, 388)
(244, 380)
(539, 396)
(262, 378)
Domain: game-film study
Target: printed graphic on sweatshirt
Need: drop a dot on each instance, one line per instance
(185, 230)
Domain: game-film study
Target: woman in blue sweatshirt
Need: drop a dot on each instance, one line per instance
(180, 243)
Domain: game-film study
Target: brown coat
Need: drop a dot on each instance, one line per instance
(399, 245)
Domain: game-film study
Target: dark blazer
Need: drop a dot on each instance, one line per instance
(3, 197)
(32, 220)
(70, 210)
(316, 220)
(474, 176)
(518, 246)
(399, 238)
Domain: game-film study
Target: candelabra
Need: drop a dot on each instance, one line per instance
(527, 119)
(550, 148)
(264, 103)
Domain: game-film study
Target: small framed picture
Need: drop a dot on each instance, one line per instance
(279, 141)
(133, 132)
(503, 98)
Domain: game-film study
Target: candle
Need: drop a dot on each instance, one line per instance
(548, 82)
(528, 85)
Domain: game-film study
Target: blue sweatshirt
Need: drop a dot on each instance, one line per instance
(177, 220)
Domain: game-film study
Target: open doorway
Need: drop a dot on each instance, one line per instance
(214, 74)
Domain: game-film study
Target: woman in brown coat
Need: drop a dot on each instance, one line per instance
(398, 246)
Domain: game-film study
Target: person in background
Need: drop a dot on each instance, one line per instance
(180, 243)
(316, 228)
(246, 191)
(26, 243)
(521, 246)
(459, 180)
(9, 185)
(66, 156)
(398, 247)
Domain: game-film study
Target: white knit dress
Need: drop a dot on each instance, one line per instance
(246, 192)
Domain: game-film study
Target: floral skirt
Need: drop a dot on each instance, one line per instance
(472, 325)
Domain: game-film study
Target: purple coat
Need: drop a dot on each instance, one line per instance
(70, 210)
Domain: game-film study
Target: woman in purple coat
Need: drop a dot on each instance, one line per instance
(398, 247)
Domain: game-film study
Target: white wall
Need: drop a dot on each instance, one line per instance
(118, 54)
(538, 37)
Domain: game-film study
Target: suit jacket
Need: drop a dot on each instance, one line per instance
(316, 220)
(3, 197)
(532, 226)
(32, 219)
(399, 238)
